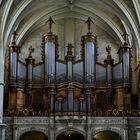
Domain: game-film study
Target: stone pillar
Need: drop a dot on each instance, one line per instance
(125, 133)
(89, 135)
(52, 128)
(1, 98)
(88, 129)
(138, 132)
(2, 130)
(20, 99)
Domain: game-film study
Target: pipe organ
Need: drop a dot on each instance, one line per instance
(13, 54)
(50, 58)
(69, 86)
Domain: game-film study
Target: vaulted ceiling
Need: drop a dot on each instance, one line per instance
(113, 16)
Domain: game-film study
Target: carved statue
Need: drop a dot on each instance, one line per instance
(89, 22)
(125, 37)
(13, 37)
(50, 21)
(108, 49)
(31, 50)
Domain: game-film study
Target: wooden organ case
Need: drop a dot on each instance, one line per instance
(69, 86)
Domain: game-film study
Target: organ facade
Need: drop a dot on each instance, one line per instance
(69, 86)
(72, 79)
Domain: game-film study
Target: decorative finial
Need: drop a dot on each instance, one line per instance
(50, 21)
(89, 22)
(13, 40)
(125, 37)
(31, 50)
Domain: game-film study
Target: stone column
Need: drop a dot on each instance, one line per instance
(2, 130)
(88, 129)
(52, 128)
(89, 134)
(20, 99)
(138, 132)
(1, 99)
(124, 132)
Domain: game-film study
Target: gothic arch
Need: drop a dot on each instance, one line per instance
(33, 134)
(26, 129)
(118, 131)
(106, 134)
(70, 128)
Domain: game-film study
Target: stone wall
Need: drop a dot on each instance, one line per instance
(126, 127)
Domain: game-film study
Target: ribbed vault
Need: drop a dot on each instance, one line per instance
(112, 16)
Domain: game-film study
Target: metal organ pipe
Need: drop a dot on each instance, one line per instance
(126, 59)
(109, 63)
(50, 55)
(89, 43)
(50, 58)
(29, 74)
(13, 53)
(126, 64)
(69, 59)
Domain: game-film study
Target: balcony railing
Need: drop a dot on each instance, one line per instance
(94, 113)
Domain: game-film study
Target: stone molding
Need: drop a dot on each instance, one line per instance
(109, 120)
(31, 120)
